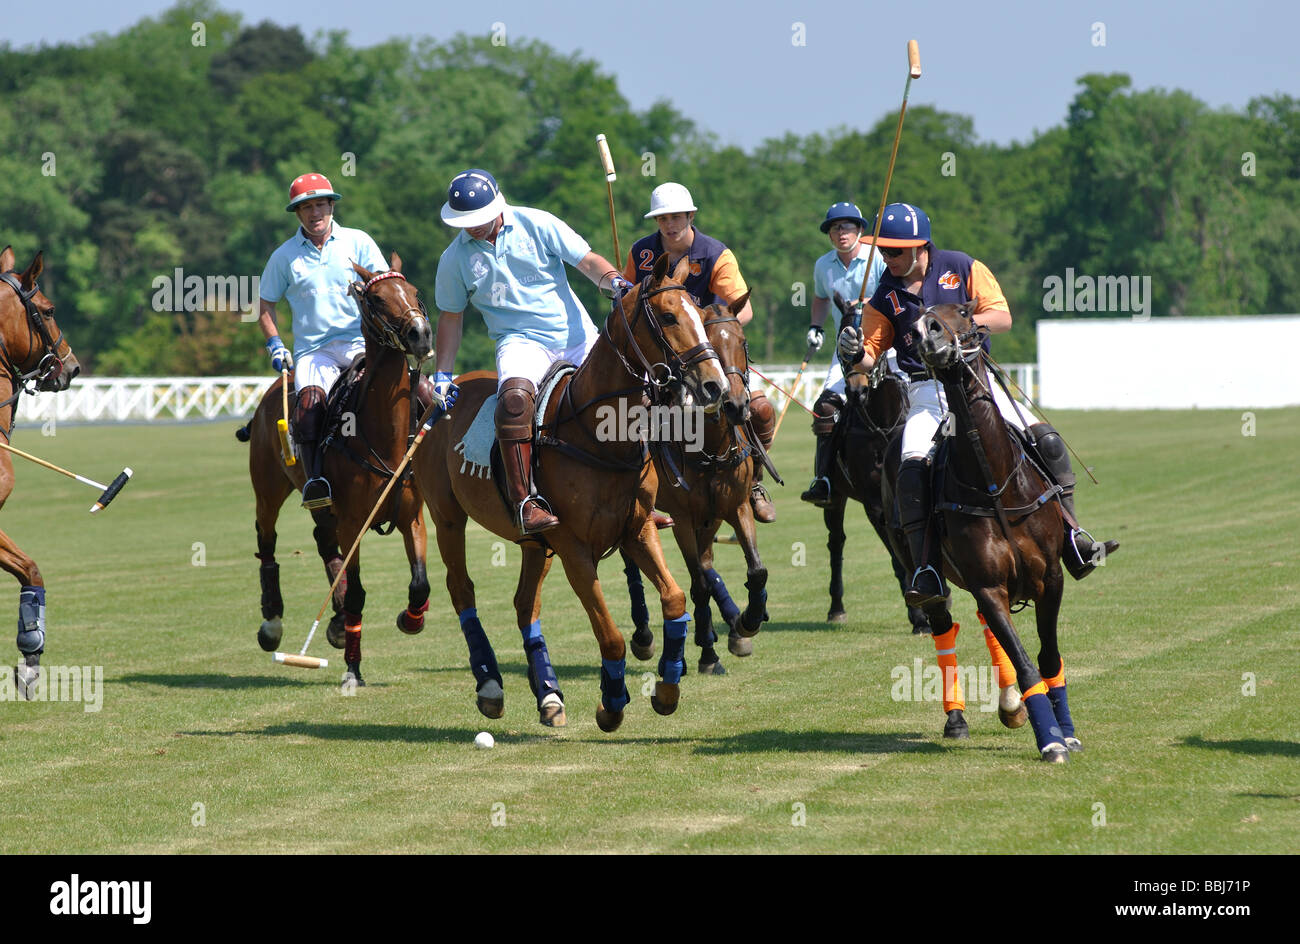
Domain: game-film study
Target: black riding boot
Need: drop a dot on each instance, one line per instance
(1081, 553)
(309, 420)
(819, 492)
(914, 514)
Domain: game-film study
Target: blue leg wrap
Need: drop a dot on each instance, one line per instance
(636, 592)
(31, 620)
(613, 693)
(541, 677)
(726, 606)
(1061, 708)
(756, 609)
(482, 660)
(1046, 730)
(672, 663)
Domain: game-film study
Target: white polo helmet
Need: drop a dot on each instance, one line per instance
(670, 198)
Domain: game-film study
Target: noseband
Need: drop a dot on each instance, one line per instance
(50, 365)
(673, 365)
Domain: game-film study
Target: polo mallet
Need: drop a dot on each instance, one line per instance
(282, 424)
(781, 389)
(913, 72)
(610, 177)
(437, 410)
(1002, 371)
(109, 492)
(788, 400)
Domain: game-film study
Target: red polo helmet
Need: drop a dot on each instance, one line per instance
(310, 187)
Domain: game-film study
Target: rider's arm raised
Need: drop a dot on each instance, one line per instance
(877, 336)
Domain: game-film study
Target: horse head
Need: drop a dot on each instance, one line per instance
(664, 336)
(392, 313)
(949, 335)
(724, 332)
(34, 348)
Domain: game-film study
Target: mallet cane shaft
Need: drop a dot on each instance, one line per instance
(282, 424)
(109, 491)
(788, 400)
(608, 163)
(781, 389)
(437, 410)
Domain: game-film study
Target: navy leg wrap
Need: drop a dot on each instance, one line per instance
(756, 608)
(672, 663)
(1046, 730)
(482, 660)
(726, 606)
(31, 620)
(541, 677)
(1061, 708)
(613, 693)
(636, 592)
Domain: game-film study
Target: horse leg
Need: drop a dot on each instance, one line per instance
(528, 609)
(450, 530)
(755, 614)
(580, 569)
(1011, 707)
(643, 640)
(649, 556)
(1050, 664)
(945, 632)
(833, 516)
(994, 605)
(697, 551)
(354, 602)
(915, 615)
(31, 614)
(325, 534)
(268, 512)
(411, 619)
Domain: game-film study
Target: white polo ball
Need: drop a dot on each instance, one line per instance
(484, 740)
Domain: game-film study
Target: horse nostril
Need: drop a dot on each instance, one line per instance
(712, 392)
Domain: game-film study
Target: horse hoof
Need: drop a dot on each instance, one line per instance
(956, 728)
(268, 637)
(738, 645)
(551, 713)
(664, 700)
(643, 643)
(837, 616)
(491, 699)
(25, 679)
(608, 721)
(352, 680)
(334, 632)
(1056, 753)
(1011, 708)
(412, 627)
(1073, 744)
(712, 668)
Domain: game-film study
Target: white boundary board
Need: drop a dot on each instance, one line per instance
(1247, 362)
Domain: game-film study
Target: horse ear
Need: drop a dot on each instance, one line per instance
(34, 270)
(661, 268)
(739, 304)
(968, 308)
(7, 259)
(683, 269)
(366, 274)
(841, 304)
(395, 262)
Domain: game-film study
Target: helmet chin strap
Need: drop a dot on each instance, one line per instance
(912, 267)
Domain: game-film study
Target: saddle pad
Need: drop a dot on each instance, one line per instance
(476, 448)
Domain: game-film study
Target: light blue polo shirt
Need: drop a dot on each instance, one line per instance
(315, 281)
(831, 276)
(519, 284)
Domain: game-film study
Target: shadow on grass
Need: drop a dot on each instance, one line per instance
(562, 672)
(409, 734)
(1250, 746)
(212, 680)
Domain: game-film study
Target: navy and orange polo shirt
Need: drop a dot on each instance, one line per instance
(714, 273)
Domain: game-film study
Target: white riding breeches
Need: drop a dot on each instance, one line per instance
(518, 356)
(928, 406)
(321, 367)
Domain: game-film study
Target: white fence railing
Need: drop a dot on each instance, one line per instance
(137, 399)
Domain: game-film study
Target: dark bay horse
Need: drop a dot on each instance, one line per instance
(368, 445)
(35, 357)
(716, 479)
(601, 488)
(1003, 531)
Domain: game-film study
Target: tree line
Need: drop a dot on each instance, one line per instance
(170, 145)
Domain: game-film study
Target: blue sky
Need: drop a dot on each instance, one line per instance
(733, 68)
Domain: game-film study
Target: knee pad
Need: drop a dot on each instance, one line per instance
(827, 408)
(1051, 448)
(763, 417)
(309, 416)
(31, 621)
(514, 414)
(424, 393)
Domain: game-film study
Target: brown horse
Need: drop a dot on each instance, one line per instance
(702, 487)
(369, 444)
(601, 485)
(34, 356)
(1002, 523)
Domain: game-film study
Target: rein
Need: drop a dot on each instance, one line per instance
(47, 368)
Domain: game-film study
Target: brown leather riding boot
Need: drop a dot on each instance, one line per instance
(533, 517)
(764, 422)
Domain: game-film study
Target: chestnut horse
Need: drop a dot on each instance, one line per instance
(364, 452)
(716, 478)
(602, 487)
(34, 356)
(1003, 531)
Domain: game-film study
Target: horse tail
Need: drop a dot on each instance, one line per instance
(245, 432)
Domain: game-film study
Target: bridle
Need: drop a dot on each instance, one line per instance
(380, 327)
(674, 366)
(50, 366)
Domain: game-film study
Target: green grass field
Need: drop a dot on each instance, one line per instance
(798, 749)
